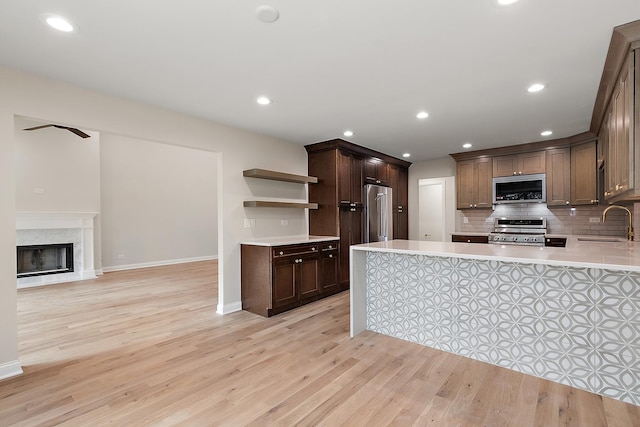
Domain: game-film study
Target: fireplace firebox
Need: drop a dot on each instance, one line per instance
(38, 260)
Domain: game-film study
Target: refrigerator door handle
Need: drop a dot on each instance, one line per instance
(381, 202)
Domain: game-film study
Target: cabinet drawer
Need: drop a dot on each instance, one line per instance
(462, 238)
(330, 246)
(284, 251)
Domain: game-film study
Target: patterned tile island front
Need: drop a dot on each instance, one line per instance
(570, 315)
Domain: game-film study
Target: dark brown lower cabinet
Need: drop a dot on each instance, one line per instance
(351, 233)
(329, 282)
(401, 224)
(275, 279)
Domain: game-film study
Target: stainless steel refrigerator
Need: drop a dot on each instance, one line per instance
(378, 214)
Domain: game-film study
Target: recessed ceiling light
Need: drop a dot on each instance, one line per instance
(406, 155)
(546, 133)
(467, 145)
(348, 133)
(59, 23)
(422, 115)
(506, 2)
(536, 87)
(263, 100)
(267, 14)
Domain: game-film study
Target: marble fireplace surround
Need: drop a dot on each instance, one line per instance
(35, 228)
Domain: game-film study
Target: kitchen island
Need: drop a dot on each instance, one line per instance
(570, 315)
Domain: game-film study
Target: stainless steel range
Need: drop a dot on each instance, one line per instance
(519, 231)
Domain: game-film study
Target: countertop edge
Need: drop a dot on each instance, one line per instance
(554, 256)
(289, 240)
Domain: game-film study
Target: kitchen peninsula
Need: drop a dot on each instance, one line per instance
(570, 315)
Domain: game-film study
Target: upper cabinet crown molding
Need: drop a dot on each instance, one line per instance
(354, 148)
(622, 39)
(527, 147)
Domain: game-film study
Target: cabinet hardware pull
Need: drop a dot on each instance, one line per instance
(515, 173)
(352, 204)
(352, 209)
(399, 207)
(330, 247)
(313, 248)
(371, 178)
(345, 201)
(330, 255)
(566, 203)
(281, 253)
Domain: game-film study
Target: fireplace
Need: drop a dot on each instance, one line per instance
(40, 230)
(39, 260)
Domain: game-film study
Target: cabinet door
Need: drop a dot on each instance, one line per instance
(344, 178)
(529, 163)
(307, 277)
(558, 177)
(620, 128)
(482, 180)
(624, 139)
(520, 164)
(284, 283)
(382, 172)
(394, 175)
(401, 225)
(351, 233)
(610, 159)
(357, 181)
(375, 171)
(584, 186)
(505, 165)
(403, 188)
(464, 184)
(329, 272)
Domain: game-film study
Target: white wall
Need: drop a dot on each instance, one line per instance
(34, 97)
(439, 168)
(158, 202)
(63, 165)
(8, 293)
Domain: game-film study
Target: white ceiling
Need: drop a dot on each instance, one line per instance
(331, 65)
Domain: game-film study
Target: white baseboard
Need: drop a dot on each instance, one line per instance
(10, 369)
(156, 263)
(229, 308)
(99, 272)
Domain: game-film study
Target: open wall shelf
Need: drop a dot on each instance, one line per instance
(279, 176)
(265, 204)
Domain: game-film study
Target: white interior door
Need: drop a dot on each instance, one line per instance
(432, 210)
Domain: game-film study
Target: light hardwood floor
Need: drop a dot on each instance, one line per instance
(145, 347)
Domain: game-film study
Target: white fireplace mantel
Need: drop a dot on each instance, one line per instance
(49, 227)
(52, 220)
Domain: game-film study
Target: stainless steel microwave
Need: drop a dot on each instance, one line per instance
(520, 189)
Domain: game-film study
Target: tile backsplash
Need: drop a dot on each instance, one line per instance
(580, 220)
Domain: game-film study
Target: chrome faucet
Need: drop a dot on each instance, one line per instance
(604, 216)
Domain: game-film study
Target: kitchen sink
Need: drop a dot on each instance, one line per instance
(600, 239)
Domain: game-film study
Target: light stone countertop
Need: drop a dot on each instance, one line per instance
(618, 255)
(288, 240)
